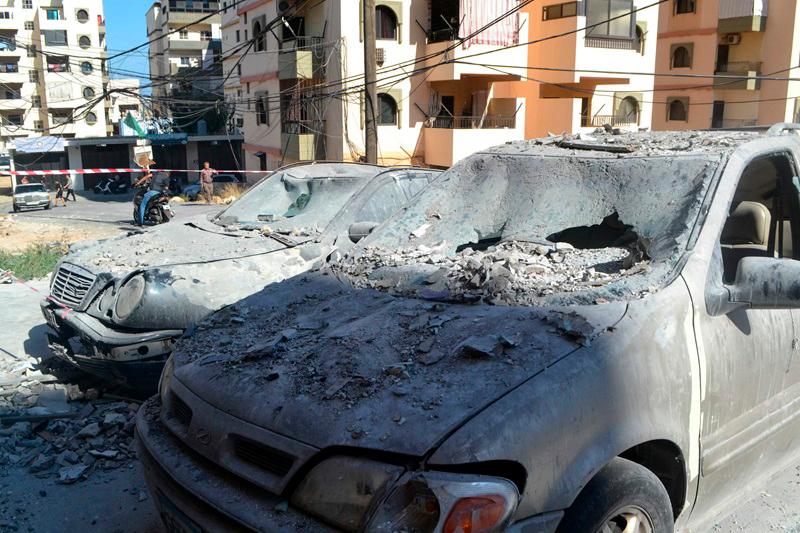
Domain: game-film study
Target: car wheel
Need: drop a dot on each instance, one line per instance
(622, 497)
(47, 206)
(15, 208)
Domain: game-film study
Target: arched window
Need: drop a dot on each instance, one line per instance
(387, 110)
(88, 92)
(684, 6)
(91, 118)
(628, 110)
(84, 41)
(677, 110)
(681, 58)
(87, 67)
(385, 23)
(82, 15)
(639, 39)
(260, 37)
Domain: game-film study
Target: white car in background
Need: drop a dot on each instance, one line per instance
(31, 195)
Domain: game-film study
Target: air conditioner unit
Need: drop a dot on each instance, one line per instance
(731, 38)
(380, 56)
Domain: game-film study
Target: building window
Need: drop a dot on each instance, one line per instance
(91, 118)
(53, 14)
(560, 11)
(33, 76)
(29, 25)
(385, 23)
(205, 35)
(86, 67)
(599, 14)
(38, 125)
(262, 109)
(387, 110)
(15, 120)
(681, 56)
(62, 117)
(84, 41)
(183, 34)
(184, 61)
(27, 4)
(36, 101)
(678, 109)
(88, 92)
(237, 36)
(5, 15)
(259, 37)
(245, 34)
(239, 69)
(55, 37)
(685, 6)
(32, 50)
(82, 15)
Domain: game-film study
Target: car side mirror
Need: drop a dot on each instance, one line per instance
(359, 230)
(766, 283)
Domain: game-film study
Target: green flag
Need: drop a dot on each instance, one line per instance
(132, 123)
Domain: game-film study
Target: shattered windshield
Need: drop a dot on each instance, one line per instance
(305, 197)
(529, 229)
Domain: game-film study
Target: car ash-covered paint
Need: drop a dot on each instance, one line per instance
(408, 350)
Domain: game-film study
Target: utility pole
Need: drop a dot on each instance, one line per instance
(370, 89)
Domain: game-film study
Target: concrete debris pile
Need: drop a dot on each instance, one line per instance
(510, 273)
(59, 431)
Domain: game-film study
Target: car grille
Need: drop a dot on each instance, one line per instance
(265, 457)
(71, 284)
(29, 198)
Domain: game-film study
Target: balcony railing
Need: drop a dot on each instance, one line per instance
(735, 123)
(612, 43)
(190, 6)
(442, 35)
(598, 121)
(467, 123)
(302, 127)
(739, 66)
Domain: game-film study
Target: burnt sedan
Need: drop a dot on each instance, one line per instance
(556, 335)
(117, 306)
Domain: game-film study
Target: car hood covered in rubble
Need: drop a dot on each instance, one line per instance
(330, 365)
(508, 262)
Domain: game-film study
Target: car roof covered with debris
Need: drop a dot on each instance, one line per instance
(602, 143)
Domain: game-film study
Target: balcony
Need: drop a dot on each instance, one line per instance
(735, 123)
(9, 23)
(182, 18)
(9, 48)
(302, 58)
(450, 139)
(16, 102)
(303, 140)
(598, 121)
(747, 71)
(742, 15)
(194, 44)
(193, 6)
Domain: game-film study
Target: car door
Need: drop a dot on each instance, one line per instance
(750, 365)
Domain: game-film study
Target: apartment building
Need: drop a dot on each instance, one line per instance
(186, 63)
(233, 44)
(124, 99)
(52, 64)
(738, 40)
(301, 82)
(585, 72)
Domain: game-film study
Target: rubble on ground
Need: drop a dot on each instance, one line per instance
(58, 431)
(509, 273)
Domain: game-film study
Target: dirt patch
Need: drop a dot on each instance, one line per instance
(18, 235)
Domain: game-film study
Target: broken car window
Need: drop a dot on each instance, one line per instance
(515, 229)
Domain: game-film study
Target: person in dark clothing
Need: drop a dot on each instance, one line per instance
(158, 183)
(69, 189)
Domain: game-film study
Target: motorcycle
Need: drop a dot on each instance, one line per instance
(116, 185)
(157, 210)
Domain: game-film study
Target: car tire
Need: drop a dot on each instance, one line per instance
(15, 208)
(47, 206)
(621, 492)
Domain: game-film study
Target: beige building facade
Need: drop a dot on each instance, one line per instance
(299, 88)
(188, 59)
(737, 40)
(52, 69)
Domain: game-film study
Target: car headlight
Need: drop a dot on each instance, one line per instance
(129, 296)
(447, 503)
(164, 380)
(355, 494)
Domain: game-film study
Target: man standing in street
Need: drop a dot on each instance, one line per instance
(69, 188)
(207, 181)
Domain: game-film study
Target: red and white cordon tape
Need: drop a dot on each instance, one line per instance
(117, 170)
